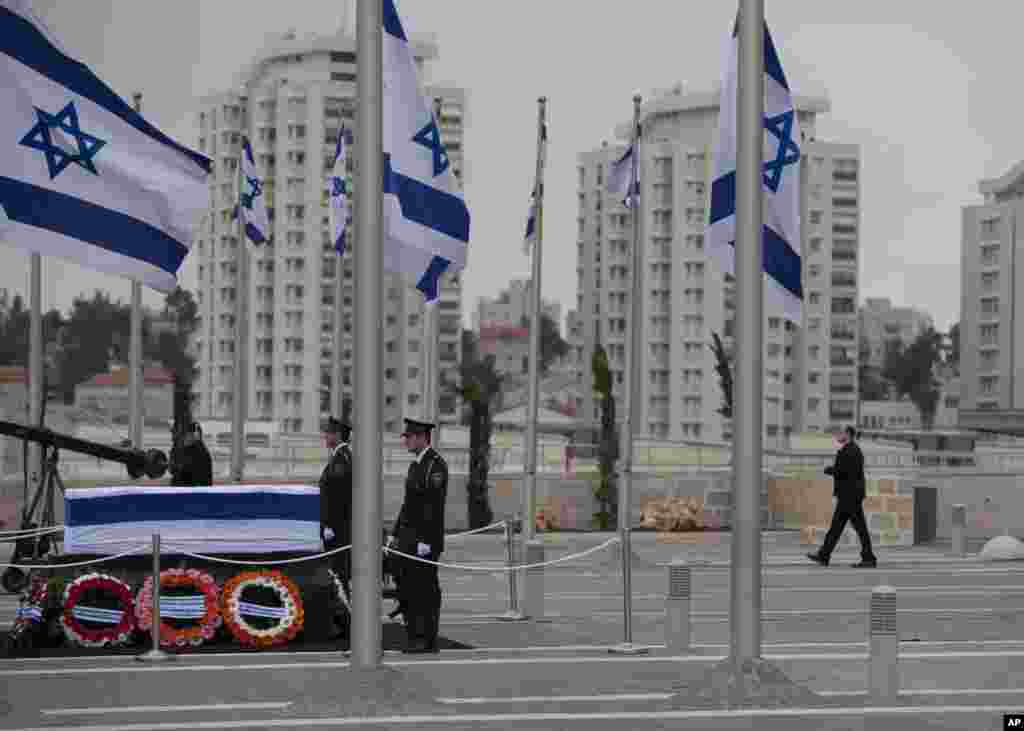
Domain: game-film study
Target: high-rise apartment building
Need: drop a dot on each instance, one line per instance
(291, 102)
(810, 374)
(880, 322)
(992, 266)
(512, 305)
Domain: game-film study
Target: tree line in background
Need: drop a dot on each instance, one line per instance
(95, 333)
(907, 372)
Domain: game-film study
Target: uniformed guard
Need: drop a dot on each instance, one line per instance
(336, 505)
(190, 463)
(419, 531)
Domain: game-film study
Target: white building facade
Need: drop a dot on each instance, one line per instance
(810, 373)
(291, 102)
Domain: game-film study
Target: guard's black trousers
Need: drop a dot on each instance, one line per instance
(852, 511)
(420, 593)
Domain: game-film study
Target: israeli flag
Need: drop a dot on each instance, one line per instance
(623, 177)
(538, 187)
(83, 176)
(781, 242)
(426, 222)
(339, 189)
(251, 200)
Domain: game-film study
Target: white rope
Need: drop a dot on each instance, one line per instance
(176, 548)
(29, 532)
(519, 567)
(57, 566)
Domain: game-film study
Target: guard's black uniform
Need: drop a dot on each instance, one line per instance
(421, 520)
(336, 503)
(192, 464)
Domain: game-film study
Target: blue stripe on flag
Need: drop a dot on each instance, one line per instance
(254, 234)
(392, 23)
(781, 262)
(428, 283)
(176, 506)
(103, 227)
(23, 42)
(427, 206)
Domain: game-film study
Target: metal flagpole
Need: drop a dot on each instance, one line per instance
(431, 315)
(366, 526)
(749, 380)
(529, 496)
(239, 404)
(35, 369)
(135, 377)
(634, 367)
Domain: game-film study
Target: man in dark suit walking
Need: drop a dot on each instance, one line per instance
(850, 487)
(336, 505)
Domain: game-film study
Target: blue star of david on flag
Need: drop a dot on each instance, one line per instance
(430, 137)
(41, 138)
(255, 189)
(338, 187)
(781, 128)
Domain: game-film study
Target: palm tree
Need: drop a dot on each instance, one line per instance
(478, 388)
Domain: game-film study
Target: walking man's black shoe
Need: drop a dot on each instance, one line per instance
(864, 565)
(817, 559)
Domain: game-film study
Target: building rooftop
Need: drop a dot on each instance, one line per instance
(1011, 182)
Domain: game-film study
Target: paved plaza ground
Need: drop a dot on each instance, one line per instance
(961, 653)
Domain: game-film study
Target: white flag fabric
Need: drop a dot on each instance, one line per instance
(531, 219)
(781, 176)
(426, 221)
(623, 177)
(339, 189)
(252, 201)
(83, 176)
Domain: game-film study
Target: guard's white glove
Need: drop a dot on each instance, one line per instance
(391, 541)
(328, 534)
(422, 549)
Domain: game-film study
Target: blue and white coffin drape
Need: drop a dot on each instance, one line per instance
(222, 519)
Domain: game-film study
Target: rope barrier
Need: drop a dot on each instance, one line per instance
(30, 532)
(74, 565)
(176, 548)
(495, 569)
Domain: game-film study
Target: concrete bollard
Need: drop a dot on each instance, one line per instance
(959, 530)
(883, 668)
(677, 608)
(533, 580)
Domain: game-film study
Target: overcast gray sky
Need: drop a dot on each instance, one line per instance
(927, 89)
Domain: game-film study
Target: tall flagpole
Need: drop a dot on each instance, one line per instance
(529, 497)
(336, 370)
(431, 315)
(135, 377)
(749, 379)
(35, 369)
(634, 367)
(239, 410)
(369, 228)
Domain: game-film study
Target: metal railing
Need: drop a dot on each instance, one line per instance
(305, 461)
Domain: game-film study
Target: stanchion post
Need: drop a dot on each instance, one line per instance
(513, 613)
(155, 653)
(959, 530)
(677, 608)
(883, 668)
(533, 581)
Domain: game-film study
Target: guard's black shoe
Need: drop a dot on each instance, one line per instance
(818, 559)
(864, 565)
(417, 648)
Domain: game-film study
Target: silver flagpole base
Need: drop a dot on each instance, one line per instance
(628, 648)
(512, 615)
(156, 655)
